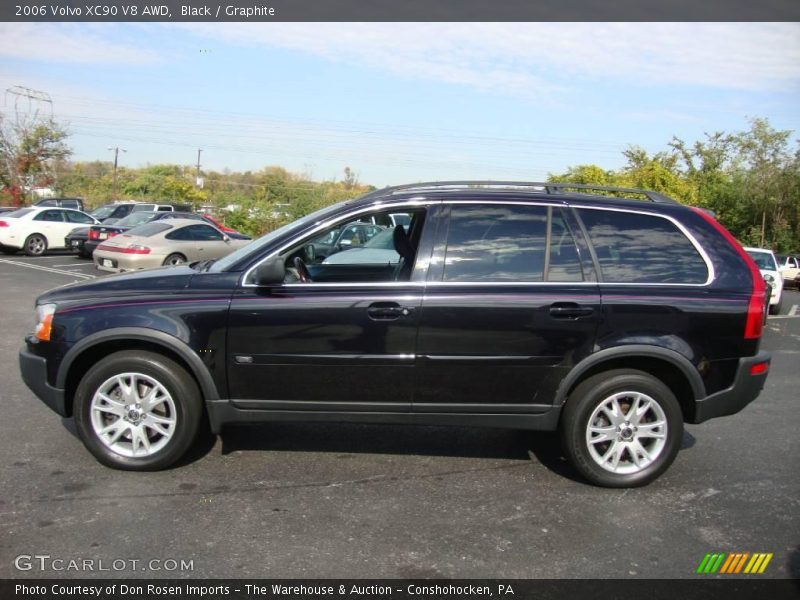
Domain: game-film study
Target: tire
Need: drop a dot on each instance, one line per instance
(592, 403)
(174, 259)
(775, 309)
(169, 427)
(84, 254)
(35, 244)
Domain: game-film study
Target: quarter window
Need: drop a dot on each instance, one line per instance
(639, 248)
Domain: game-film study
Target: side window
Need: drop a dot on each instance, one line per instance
(182, 234)
(164, 209)
(199, 233)
(639, 248)
(76, 217)
(496, 243)
(53, 216)
(564, 264)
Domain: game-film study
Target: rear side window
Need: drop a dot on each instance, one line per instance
(56, 216)
(78, 217)
(639, 248)
(494, 243)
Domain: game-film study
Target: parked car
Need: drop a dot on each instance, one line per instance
(113, 211)
(529, 306)
(377, 251)
(74, 203)
(8, 209)
(789, 267)
(164, 242)
(768, 265)
(36, 229)
(341, 238)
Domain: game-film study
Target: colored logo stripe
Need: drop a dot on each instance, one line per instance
(735, 562)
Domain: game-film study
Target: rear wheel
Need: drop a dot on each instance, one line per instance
(138, 411)
(35, 245)
(622, 428)
(174, 259)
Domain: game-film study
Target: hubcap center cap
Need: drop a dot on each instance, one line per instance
(626, 433)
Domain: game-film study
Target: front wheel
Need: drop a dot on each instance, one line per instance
(138, 411)
(622, 428)
(775, 309)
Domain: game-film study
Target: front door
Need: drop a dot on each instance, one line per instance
(343, 341)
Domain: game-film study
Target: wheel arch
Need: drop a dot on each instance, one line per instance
(670, 367)
(80, 358)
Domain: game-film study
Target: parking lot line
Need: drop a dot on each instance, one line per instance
(47, 269)
(793, 310)
(74, 265)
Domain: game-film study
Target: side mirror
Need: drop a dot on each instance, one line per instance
(226, 238)
(270, 272)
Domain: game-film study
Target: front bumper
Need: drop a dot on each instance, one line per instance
(34, 374)
(746, 388)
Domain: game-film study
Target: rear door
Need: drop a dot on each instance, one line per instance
(511, 303)
(52, 223)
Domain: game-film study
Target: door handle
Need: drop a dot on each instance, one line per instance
(388, 311)
(569, 310)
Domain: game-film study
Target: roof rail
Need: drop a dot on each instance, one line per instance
(547, 187)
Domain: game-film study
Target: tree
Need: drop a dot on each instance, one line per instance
(28, 149)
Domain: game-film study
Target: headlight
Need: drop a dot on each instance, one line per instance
(44, 321)
(769, 279)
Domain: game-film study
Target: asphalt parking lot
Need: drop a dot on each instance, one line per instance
(321, 500)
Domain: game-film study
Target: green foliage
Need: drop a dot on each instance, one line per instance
(750, 179)
(29, 148)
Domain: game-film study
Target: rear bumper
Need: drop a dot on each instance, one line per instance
(746, 388)
(34, 374)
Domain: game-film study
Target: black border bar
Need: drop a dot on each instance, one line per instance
(397, 10)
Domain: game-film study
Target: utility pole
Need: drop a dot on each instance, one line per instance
(116, 150)
(198, 181)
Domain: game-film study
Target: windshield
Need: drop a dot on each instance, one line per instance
(256, 246)
(764, 260)
(102, 212)
(134, 219)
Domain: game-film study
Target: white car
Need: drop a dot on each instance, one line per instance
(768, 265)
(790, 268)
(35, 229)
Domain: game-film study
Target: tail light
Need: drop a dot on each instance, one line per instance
(3, 224)
(131, 249)
(758, 295)
(94, 234)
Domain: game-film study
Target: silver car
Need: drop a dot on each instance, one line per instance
(162, 243)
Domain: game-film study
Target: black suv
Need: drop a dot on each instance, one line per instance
(613, 320)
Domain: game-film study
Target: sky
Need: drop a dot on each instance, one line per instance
(399, 102)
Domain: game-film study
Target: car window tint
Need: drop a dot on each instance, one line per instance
(50, 216)
(496, 243)
(639, 248)
(195, 233)
(150, 229)
(564, 262)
